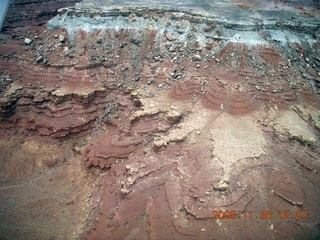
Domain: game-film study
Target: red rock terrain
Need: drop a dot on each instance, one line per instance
(136, 123)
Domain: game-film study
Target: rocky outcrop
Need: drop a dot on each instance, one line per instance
(164, 116)
(33, 13)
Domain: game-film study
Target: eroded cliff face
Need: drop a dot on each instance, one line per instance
(126, 122)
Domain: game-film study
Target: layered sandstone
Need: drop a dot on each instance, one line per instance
(144, 121)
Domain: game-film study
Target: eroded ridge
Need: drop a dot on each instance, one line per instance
(168, 116)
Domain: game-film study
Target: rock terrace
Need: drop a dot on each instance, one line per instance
(130, 122)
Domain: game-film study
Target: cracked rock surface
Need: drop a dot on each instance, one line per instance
(122, 120)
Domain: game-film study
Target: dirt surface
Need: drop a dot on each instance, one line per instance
(126, 122)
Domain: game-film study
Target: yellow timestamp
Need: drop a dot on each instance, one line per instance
(263, 214)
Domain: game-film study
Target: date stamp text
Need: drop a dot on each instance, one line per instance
(263, 214)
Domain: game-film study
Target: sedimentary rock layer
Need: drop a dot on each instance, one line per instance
(145, 122)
